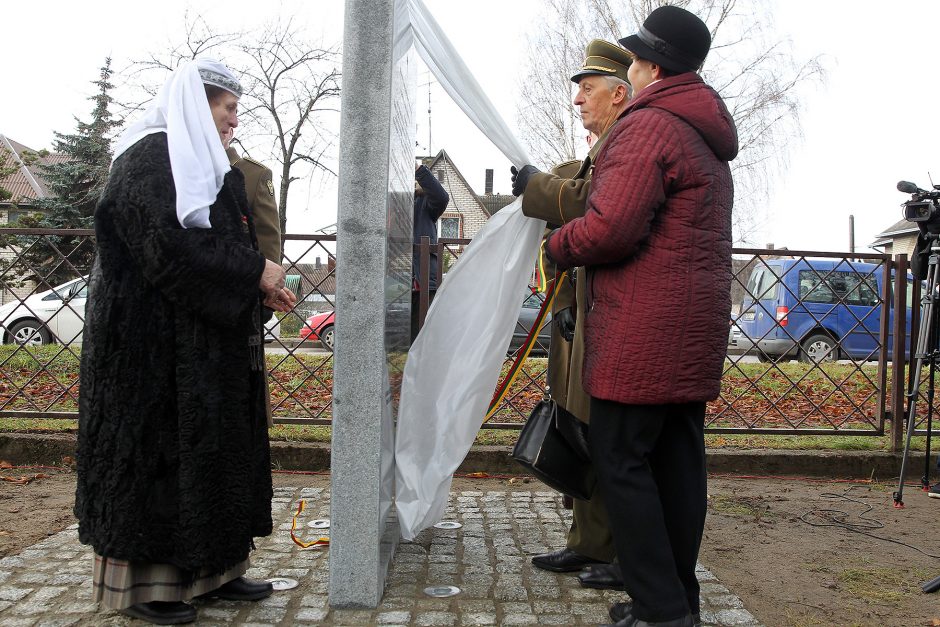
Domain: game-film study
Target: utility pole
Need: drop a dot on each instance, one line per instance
(428, 85)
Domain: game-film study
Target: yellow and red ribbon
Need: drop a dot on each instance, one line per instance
(503, 388)
(293, 526)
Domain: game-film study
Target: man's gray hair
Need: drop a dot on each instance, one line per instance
(613, 82)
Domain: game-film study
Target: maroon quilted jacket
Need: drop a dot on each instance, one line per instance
(656, 239)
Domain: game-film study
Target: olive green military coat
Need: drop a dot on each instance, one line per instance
(259, 188)
(559, 197)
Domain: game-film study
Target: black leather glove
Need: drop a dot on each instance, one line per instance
(564, 322)
(520, 178)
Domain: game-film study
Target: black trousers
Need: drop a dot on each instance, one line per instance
(650, 461)
(415, 304)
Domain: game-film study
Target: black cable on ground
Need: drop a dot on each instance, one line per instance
(840, 518)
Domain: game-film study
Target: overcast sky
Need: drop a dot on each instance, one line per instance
(872, 123)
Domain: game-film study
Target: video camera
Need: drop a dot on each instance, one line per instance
(923, 208)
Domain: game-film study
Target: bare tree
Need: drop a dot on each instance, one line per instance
(289, 107)
(292, 95)
(756, 74)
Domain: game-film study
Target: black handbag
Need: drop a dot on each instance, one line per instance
(553, 446)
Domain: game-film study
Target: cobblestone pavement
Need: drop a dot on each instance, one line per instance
(49, 584)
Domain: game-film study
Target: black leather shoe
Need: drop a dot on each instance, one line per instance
(563, 561)
(162, 612)
(620, 612)
(242, 589)
(602, 577)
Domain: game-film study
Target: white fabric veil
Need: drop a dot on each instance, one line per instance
(197, 157)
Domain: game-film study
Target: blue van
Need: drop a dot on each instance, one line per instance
(816, 310)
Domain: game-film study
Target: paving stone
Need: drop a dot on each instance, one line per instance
(388, 618)
(726, 601)
(479, 618)
(712, 588)
(59, 621)
(311, 615)
(10, 593)
(272, 615)
(729, 617)
(517, 619)
(38, 578)
(218, 613)
(433, 619)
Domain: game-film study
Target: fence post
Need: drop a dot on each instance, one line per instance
(898, 381)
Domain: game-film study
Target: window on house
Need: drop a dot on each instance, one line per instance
(450, 227)
(14, 216)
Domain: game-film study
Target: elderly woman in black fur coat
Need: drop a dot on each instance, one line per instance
(174, 477)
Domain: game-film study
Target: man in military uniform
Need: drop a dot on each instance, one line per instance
(259, 188)
(558, 197)
(260, 191)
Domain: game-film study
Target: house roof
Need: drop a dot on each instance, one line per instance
(430, 162)
(315, 277)
(898, 229)
(25, 184)
(901, 227)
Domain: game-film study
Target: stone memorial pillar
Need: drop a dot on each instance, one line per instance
(373, 297)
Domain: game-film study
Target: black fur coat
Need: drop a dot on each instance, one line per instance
(173, 453)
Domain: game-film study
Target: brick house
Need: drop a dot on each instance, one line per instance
(25, 183)
(26, 186)
(897, 239)
(465, 214)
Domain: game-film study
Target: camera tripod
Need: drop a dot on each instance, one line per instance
(927, 352)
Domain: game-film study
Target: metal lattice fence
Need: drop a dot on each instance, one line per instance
(811, 347)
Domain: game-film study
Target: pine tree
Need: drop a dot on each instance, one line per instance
(76, 183)
(78, 180)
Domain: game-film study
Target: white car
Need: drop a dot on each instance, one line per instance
(56, 315)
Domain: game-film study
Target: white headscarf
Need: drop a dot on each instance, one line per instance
(197, 157)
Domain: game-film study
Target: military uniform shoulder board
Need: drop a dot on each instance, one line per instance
(567, 163)
(258, 163)
(270, 186)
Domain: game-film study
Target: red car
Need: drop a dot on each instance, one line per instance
(319, 326)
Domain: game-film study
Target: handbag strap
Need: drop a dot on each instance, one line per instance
(503, 388)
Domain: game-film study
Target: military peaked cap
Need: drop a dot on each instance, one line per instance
(605, 59)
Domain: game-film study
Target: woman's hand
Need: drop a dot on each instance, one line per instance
(283, 300)
(272, 279)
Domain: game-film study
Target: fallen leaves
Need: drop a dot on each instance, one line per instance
(24, 480)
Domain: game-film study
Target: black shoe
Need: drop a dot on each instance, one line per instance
(563, 561)
(602, 577)
(620, 612)
(162, 612)
(934, 491)
(242, 589)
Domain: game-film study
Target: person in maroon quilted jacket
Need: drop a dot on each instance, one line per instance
(656, 242)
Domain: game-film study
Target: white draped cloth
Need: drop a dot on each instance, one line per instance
(453, 366)
(197, 157)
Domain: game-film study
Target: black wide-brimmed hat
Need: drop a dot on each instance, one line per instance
(672, 38)
(603, 58)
